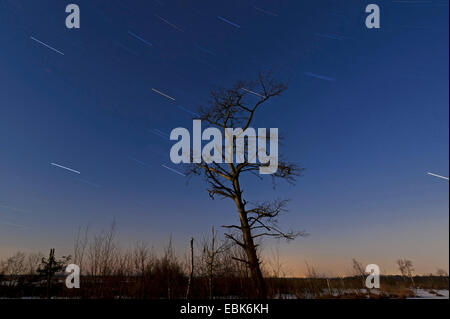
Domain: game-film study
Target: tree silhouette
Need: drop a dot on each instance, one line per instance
(232, 108)
(406, 268)
(50, 266)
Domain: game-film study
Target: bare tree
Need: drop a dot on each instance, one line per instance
(359, 270)
(14, 267)
(312, 276)
(141, 255)
(191, 270)
(231, 108)
(441, 272)
(276, 265)
(141, 258)
(108, 250)
(211, 251)
(101, 252)
(79, 248)
(50, 266)
(33, 261)
(406, 268)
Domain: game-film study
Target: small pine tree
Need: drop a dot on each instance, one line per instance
(49, 266)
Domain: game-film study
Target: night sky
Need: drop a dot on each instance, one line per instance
(366, 113)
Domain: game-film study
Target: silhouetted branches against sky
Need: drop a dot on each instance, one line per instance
(230, 108)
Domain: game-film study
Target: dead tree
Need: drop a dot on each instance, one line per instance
(233, 108)
(191, 271)
(359, 271)
(406, 268)
(14, 267)
(80, 247)
(141, 258)
(210, 253)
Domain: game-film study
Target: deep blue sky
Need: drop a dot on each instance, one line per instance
(366, 135)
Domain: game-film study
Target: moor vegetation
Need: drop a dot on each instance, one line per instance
(212, 270)
(227, 267)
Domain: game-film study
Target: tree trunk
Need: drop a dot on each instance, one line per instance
(51, 258)
(211, 264)
(250, 250)
(191, 273)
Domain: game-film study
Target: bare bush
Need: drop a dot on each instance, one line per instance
(406, 269)
(33, 261)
